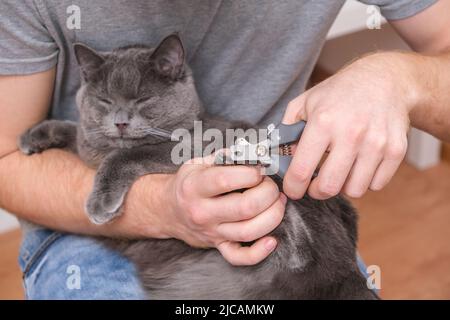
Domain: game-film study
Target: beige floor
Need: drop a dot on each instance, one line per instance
(10, 275)
(405, 229)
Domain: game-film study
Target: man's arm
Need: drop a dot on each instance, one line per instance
(428, 33)
(362, 114)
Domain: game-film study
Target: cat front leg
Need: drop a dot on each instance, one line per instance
(49, 134)
(114, 178)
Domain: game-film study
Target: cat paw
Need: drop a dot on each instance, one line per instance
(34, 140)
(103, 207)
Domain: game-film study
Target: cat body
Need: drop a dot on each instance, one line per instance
(129, 99)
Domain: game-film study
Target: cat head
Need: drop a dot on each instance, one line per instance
(130, 93)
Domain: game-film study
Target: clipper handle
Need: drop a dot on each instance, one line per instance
(290, 133)
(287, 134)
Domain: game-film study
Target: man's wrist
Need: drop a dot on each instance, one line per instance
(144, 212)
(405, 72)
(422, 85)
(426, 84)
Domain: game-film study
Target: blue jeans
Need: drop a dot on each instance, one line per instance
(66, 266)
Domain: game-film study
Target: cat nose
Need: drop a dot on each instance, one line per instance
(122, 126)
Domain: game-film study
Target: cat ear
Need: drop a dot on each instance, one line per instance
(88, 59)
(169, 57)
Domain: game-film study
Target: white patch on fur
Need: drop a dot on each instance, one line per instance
(295, 261)
(79, 95)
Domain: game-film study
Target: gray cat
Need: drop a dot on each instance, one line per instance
(128, 99)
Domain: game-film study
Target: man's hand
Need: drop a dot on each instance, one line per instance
(207, 211)
(361, 116)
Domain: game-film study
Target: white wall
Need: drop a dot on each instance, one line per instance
(352, 18)
(7, 222)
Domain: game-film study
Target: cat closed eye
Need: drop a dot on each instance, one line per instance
(143, 99)
(106, 101)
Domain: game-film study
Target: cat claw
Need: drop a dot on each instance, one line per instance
(103, 208)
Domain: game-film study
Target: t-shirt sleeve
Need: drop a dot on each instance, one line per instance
(400, 9)
(25, 44)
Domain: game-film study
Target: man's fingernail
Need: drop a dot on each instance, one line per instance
(270, 244)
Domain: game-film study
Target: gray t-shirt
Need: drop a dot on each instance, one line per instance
(249, 57)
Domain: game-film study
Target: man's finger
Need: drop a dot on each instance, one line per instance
(237, 206)
(393, 156)
(308, 153)
(207, 161)
(362, 174)
(295, 110)
(259, 226)
(384, 173)
(222, 179)
(334, 172)
(238, 255)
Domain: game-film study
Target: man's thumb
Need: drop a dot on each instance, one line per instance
(295, 110)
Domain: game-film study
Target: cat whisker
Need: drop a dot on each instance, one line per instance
(157, 132)
(94, 131)
(155, 129)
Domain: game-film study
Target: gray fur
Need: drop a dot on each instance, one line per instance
(127, 92)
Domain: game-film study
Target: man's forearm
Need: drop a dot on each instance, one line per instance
(431, 113)
(424, 82)
(50, 189)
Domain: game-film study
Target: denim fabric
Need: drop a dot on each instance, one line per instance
(65, 266)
